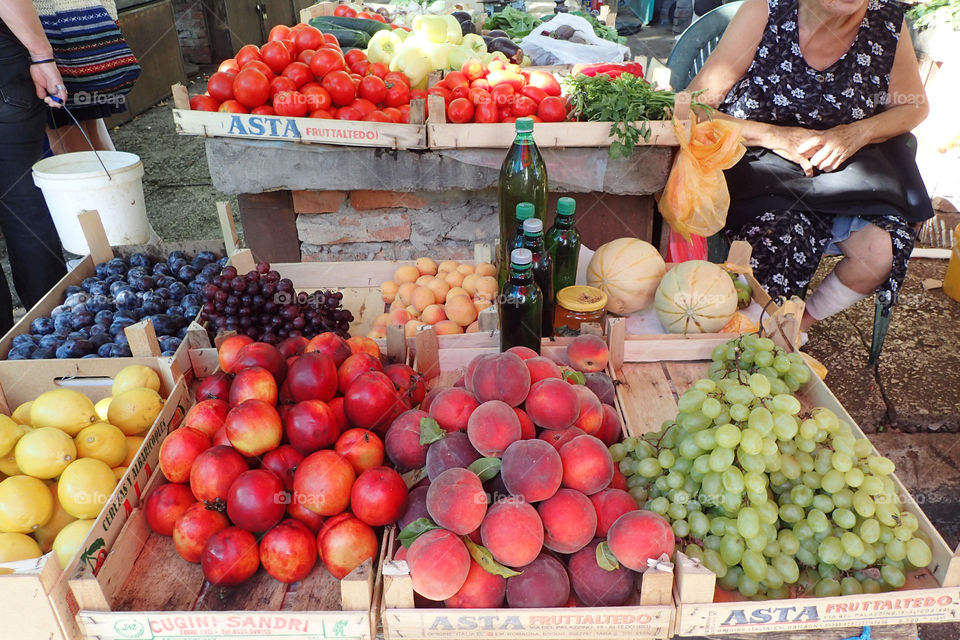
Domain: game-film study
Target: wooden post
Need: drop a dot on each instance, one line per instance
(427, 357)
(656, 587)
(438, 110)
(418, 111)
(143, 339)
(181, 98)
(95, 236)
(396, 344)
(487, 319)
(243, 261)
(356, 588)
(616, 334)
(231, 240)
(695, 583)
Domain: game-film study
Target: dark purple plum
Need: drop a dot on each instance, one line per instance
(42, 325)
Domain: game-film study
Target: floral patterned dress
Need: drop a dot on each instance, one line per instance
(780, 88)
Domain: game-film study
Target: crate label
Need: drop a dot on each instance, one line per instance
(928, 605)
(607, 622)
(277, 128)
(210, 626)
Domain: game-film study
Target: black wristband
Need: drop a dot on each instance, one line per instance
(48, 60)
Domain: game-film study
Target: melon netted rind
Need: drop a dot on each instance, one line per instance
(695, 297)
(628, 270)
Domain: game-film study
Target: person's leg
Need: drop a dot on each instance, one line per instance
(99, 135)
(67, 139)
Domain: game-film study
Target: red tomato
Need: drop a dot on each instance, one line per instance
(502, 95)
(455, 79)
(354, 55)
(220, 86)
(503, 113)
(345, 11)
(329, 38)
(398, 93)
(251, 88)
(291, 104)
(306, 56)
(378, 18)
(321, 114)
(299, 73)
(515, 80)
(304, 88)
(308, 38)
(373, 89)
(509, 119)
(473, 69)
(404, 110)
(347, 113)
(356, 78)
(395, 76)
(230, 66)
(326, 60)
(377, 116)
(496, 65)
(460, 92)
(360, 67)
(378, 69)
(204, 103)
(364, 106)
(281, 84)
(317, 98)
(340, 87)
(262, 67)
(534, 93)
(291, 47)
(479, 96)
(395, 115)
(442, 91)
(247, 53)
(279, 32)
(523, 107)
(486, 112)
(481, 83)
(232, 106)
(263, 110)
(545, 81)
(460, 110)
(418, 93)
(364, 15)
(276, 55)
(552, 109)
(536, 118)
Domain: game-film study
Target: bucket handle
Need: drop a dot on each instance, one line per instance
(85, 136)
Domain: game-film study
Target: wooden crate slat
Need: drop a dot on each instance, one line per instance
(159, 565)
(259, 593)
(684, 374)
(645, 396)
(546, 134)
(319, 591)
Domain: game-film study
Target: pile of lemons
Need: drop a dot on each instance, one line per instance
(61, 457)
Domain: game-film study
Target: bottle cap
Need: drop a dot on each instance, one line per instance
(525, 211)
(524, 125)
(533, 226)
(566, 206)
(521, 257)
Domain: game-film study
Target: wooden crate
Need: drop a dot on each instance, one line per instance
(653, 375)
(37, 593)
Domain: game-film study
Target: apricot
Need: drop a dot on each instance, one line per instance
(423, 280)
(433, 314)
(454, 279)
(439, 564)
(451, 408)
(406, 273)
(456, 500)
(460, 309)
(504, 377)
(569, 521)
(610, 504)
(410, 329)
(639, 536)
(611, 430)
(527, 430)
(557, 439)
(412, 310)
(482, 590)
(377, 332)
(552, 404)
(400, 316)
(470, 283)
(447, 328)
(542, 368)
(448, 265)
(588, 353)
(416, 507)
(426, 266)
(421, 298)
(594, 585)
(382, 320)
(388, 291)
(439, 288)
(474, 327)
(512, 532)
(405, 292)
(590, 418)
(487, 288)
(457, 291)
(542, 583)
(453, 451)
(532, 470)
(402, 441)
(492, 427)
(587, 465)
(485, 269)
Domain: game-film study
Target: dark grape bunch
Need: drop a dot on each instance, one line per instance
(266, 307)
(91, 321)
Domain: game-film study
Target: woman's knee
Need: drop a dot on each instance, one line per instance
(872, 249)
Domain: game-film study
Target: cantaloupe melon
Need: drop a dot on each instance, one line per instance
(628, 270)
(695, 297)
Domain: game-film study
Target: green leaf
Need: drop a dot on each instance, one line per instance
(485, 559)
(412, 478)
(430, 431)
(485, 468)
(605, 558)
(414, 530)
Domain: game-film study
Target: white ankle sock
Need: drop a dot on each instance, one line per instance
(832, 296)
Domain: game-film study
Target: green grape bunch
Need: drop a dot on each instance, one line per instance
(774, 500)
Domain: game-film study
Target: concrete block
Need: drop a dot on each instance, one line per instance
(350, 227)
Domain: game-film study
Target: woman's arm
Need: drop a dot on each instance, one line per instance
(21, 18)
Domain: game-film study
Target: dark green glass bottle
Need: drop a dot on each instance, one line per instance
(523, 178)
(563, 244)
(521, 305)
(542, 270)
(525, 211)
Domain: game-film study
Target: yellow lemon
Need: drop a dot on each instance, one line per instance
(134, 377)
(102, 407)
(102, 441)
(45, 452)
(21, 415)
(10, 433)
(64, 409)
(135, 410)
(18, 546)
(133, 446)
(84, 487)
(119, 472)
(25, 504)
(57, 521)
(70, 539)
(8, 465)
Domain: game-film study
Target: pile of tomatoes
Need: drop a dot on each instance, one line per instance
(500, 92)
(302, 72)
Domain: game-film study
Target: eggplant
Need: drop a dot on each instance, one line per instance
(507, 47)
(467, 26)
(461, 16)
(497, 33)
(487, 40)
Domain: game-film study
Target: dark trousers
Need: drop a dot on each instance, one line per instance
(36, 257)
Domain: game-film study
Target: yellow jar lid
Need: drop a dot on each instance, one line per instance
(582, 299)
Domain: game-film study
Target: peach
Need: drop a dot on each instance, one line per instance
(470, 283)
(402, 441)
(542, 368)
(400, 316)
(433, 313)
(525, 353)
(601, 384)
(439, 288)
(439, 564)
(594, 585)
(472, 369)
(527, 430)
(422, 297)
(487, 288)
(388, 291)
(405, 292)
(457, 291)
(492, 427)
(382, 320)
(590, 418)
(416, 507)
(552, 404)
(428, 399)
(474, 327)
(447, 328)
(587, 465)
(426, 266)
(619, 480)
(353, 367)
(410, 328)
(377, 332)
(588, 353)
(610, 504)
(532, 470)
(482, 590)
(207, 416)
(569, 521)
(460, 309)
(253, 383)
(454, 279)
(456, 500)
(542, 583)
(503, 377)
(448, 265)
(454, 451)
(611, 430)
(423, 280)
(639, 536)
(406, 273)
(452, 408)
(557, 439)
(512, 532)
(485, 269)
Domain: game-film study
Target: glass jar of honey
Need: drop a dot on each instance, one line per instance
(576, 305)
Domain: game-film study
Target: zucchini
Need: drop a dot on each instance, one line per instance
(357, 24)
(346, 37)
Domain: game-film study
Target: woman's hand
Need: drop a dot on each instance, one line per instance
(47, 80)
(786, 143)
(829, 149)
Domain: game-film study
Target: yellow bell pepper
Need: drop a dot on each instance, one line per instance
(384, 46)
(454, 32)
(434, 28)
(413, 63)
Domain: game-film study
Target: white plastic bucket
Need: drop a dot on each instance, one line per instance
(75, 182)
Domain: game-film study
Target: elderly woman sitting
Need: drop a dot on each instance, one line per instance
(822, 89)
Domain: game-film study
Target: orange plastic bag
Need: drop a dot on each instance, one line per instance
(696, 199)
